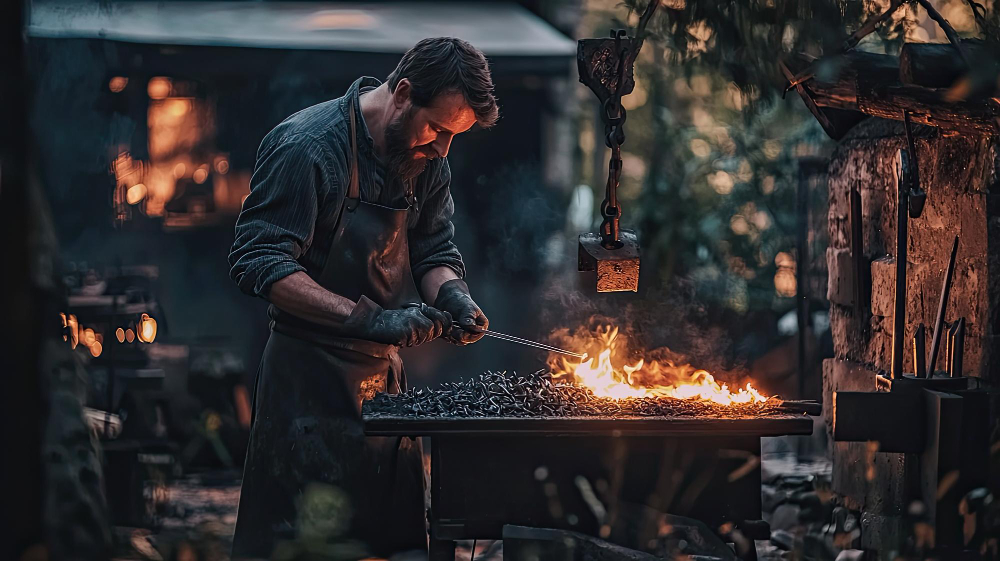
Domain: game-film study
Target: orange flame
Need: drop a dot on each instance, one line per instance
(645, 378)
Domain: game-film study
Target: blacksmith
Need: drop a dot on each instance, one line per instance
(347, 233)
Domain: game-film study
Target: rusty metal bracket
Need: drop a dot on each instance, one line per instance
(603, 68)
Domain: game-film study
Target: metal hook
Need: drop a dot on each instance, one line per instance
(917, 197)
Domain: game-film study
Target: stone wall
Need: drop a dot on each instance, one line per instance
(957, 172)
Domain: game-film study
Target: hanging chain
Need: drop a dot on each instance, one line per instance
(613, 115)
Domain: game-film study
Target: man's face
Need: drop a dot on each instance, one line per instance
(420, 134)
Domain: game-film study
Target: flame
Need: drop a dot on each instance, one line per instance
(645, 378)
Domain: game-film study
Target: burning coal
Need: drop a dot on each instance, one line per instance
(502, 395)
(611, 373)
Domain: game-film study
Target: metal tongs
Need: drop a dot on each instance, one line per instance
(527, 342)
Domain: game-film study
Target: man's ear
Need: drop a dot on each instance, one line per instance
(401, 95)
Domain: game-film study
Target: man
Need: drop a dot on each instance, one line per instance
(347, 232)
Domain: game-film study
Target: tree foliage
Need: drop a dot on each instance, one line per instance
(714, 149)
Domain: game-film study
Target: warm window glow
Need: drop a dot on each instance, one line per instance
(158, 88)
(135, 194)
(200, 175)
(117, 83)
(147, 329)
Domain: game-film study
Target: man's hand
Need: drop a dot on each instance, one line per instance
(453, 297)
(408, 327)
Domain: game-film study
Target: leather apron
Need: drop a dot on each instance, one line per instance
(307, 446)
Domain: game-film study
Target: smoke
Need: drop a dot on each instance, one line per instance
(521, 220)
(666, 324)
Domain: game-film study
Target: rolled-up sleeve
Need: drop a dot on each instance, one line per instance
(431, 243)
(276, 224)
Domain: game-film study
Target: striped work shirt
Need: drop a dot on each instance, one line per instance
(300, 182)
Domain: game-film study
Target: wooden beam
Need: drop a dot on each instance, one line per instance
(869, 83)
(935, 65)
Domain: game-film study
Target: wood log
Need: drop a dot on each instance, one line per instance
(869, 83)
(935, 65)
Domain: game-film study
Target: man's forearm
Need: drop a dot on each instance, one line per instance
(302, 297)
(432, 281)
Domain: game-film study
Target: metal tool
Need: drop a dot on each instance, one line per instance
(942, 309)
(528, 342)
(920, 352)
(956, 349)
(904, 181)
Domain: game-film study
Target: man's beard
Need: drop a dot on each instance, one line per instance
(399, 159)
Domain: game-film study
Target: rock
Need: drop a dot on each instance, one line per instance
(691, 537)
(522, 542)
(850, 555)
(818, 547)
(783, 539)
(785, 517)
(771, 498)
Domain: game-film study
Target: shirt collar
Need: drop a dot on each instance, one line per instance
(365, 140)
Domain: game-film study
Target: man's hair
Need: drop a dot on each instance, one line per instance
(444, 65)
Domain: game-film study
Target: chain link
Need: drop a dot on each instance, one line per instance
(614, 136)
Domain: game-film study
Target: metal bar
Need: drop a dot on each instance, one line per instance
(528, 342)
(858, 254)
(957, 349)
(586, 426)
(942, 308)
(949, 347)
(801, 267)
(920, 352)
(809, 407)
(902, 218)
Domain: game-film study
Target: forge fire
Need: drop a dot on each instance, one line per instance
(603, 386)
(609, 374)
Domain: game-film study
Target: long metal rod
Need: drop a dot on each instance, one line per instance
(528, 342)
(801, 270)
(899, 308)
(942, 309)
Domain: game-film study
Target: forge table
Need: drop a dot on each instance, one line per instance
(548, 472)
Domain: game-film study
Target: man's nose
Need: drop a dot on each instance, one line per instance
(442, 144)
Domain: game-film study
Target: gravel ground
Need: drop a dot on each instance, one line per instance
(200, 516)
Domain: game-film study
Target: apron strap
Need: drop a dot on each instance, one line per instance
(353, 189)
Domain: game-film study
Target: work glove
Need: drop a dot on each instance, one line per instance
(453, 297)
(410, 326)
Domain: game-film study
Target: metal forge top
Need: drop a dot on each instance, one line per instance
(606, 476)
(756, 427)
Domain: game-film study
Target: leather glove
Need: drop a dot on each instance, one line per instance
(410, 326)
(453, 297)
